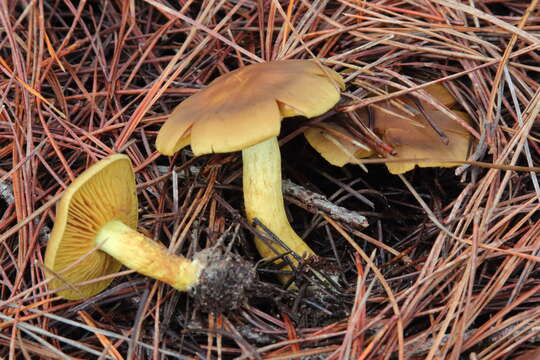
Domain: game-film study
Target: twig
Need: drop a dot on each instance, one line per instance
(320, 202)
(6, 192)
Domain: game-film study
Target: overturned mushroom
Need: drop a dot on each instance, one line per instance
(95, 234)
(242, 110)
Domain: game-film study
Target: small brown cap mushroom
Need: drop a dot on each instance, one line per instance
(245, 107)
(405, 128)
(413, 137)
(104, 192)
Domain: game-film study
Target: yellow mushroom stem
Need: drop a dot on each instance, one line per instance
(146, 256)
(263, 199)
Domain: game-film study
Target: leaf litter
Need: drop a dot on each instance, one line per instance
(448, 267)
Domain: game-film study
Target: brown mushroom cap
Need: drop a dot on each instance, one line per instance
(403, 127)
(413, 137)
(335, 144)
(245, 107)
(104, 192)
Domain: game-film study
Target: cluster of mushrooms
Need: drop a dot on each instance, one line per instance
(95, 232)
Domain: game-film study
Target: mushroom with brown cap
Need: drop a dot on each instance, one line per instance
(242, 110)
(95, 234)
(408, 128)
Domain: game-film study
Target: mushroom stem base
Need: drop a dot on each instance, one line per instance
(146, 256)
(263, 198)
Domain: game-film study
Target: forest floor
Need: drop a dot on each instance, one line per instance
(447, 266)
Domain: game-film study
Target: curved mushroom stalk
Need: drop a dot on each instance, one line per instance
(148, 257)
(99, 210)
(263, 198)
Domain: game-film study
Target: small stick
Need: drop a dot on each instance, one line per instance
(320, 202)
(6, 192)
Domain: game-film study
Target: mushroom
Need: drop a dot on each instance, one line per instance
(95, 234)
(242, 110)
(336, 145)
(413, 129)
